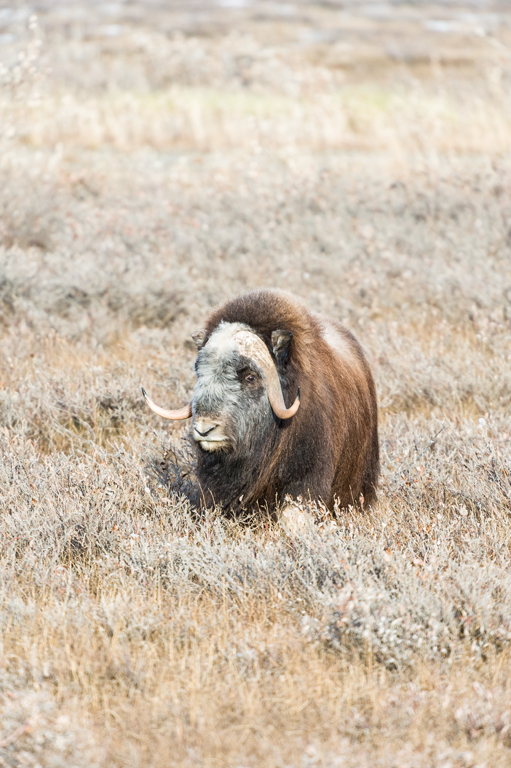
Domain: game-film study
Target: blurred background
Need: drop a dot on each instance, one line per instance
(356, 62)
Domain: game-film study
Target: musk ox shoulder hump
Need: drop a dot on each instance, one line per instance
(344, 345)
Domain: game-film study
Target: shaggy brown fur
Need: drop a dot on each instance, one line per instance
(329, 450)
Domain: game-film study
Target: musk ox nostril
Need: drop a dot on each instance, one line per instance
(203, 434)
(204, 428)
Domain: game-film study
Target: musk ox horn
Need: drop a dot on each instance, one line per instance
(177, 415)
(254, 347)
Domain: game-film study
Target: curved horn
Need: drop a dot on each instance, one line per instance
(178, 415)
(254, 347)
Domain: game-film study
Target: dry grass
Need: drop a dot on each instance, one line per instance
(136, 631)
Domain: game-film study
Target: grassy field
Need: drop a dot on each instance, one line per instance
(144, 178)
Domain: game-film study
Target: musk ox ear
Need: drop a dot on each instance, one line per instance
(198, 338)
(280, 341)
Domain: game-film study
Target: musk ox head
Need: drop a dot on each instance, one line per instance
(238, 393)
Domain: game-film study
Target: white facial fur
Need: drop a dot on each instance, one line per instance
(221, 405)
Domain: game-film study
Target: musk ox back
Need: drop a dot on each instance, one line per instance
(284, 404)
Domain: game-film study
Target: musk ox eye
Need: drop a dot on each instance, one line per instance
(250, 378)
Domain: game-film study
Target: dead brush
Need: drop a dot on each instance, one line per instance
(61, 421)
(134, 623)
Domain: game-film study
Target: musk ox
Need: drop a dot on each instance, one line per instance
(284, 403)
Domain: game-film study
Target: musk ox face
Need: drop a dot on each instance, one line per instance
(230, 404)
(238, 389)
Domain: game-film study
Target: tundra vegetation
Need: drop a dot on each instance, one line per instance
(147, 175)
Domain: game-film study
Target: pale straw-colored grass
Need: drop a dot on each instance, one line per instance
(136, 630)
